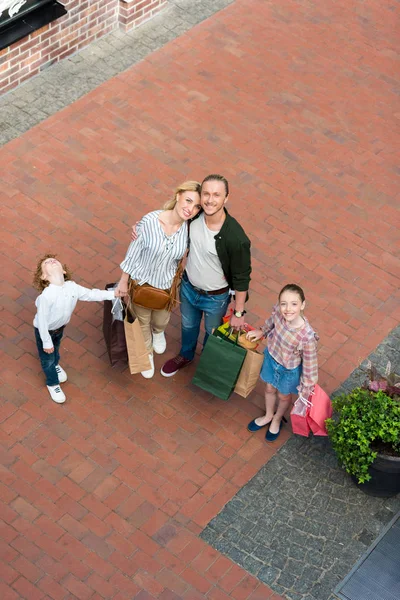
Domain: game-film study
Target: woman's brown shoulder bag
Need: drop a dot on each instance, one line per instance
(148, 296)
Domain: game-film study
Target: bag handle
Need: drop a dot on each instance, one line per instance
(238, 332)
(128, 306)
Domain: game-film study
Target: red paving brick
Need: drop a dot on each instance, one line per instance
(105, 496)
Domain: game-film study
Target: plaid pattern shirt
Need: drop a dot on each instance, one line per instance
(291, 347)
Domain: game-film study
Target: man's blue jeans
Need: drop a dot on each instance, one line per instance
(50, 361)
(193, 305)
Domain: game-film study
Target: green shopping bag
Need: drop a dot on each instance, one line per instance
(219, 366)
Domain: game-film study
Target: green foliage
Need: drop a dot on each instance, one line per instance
(361, 418)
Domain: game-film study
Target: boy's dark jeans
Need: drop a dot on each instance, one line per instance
(49, 361)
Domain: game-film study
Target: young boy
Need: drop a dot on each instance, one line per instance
(55, 306)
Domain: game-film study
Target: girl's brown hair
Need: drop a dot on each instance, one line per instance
(293, 287)
(186, 186)
(39, 283)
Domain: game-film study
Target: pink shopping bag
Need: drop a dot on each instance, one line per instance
(310, 414)
(320, 410)
(298, 417)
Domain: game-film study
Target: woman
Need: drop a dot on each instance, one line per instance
(153, 259)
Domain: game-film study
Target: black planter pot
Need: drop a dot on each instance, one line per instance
(385, 477)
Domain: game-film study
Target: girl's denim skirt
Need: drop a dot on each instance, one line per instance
(284, 380)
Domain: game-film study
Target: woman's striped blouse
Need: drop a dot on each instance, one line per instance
(154, 256)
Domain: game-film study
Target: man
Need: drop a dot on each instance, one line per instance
(219, 260)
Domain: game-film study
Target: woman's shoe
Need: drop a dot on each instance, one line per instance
(254, 427)
(150, 372)
(159, 343)
(271, 437)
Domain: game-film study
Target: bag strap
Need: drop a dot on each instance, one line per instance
(173, 292)
(128, 305)
(178, 276)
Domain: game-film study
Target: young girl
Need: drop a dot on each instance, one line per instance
(55, 306)
(290, 362)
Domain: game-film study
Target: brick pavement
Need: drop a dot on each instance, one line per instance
(301, 524)
(105, 497)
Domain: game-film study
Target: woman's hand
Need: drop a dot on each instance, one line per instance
(121, 291)
(255, 335)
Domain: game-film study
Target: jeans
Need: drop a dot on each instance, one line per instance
(193, 305)
(50, 361)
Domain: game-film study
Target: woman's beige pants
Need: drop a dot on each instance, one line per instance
(151, 320)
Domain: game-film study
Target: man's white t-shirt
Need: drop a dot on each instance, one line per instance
(203, 266)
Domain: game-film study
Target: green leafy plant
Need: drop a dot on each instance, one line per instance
(364, 422)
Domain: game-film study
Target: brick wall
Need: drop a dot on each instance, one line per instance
(134, 12)
(86, 21)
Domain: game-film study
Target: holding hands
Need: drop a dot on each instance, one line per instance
(121, 291)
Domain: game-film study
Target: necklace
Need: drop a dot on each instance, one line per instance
(169, 240)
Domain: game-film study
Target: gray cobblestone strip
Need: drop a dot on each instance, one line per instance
(300, 524)
(64, 82)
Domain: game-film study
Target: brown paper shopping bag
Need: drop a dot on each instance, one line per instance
(138, 355)
(249, 374)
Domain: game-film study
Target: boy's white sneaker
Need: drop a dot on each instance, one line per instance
(159, 343)
(62, 376)
(56, 394)
(150, 372)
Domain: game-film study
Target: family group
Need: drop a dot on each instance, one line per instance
(193, 229)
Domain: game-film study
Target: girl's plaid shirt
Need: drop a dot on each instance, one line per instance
(290, 347)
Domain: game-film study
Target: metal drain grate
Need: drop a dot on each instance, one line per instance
(376, 576)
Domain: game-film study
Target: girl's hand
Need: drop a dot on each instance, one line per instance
(134, 232)
(48, 350)
(255, 335)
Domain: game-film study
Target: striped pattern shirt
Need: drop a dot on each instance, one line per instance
(154, 256)
(290, 347)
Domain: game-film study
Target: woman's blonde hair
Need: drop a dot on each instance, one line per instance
(186, 186)
(39, 283)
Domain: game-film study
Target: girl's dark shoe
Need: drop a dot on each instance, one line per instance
(271, 437)
(254, 427)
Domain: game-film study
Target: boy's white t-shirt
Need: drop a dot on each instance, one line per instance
(56, 304)
(203, 266)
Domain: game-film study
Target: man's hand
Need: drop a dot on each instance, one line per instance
(237, 322)
(48, 350)
(134, 232)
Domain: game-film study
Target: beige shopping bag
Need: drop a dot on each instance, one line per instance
(138, 355)
(249, 374)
